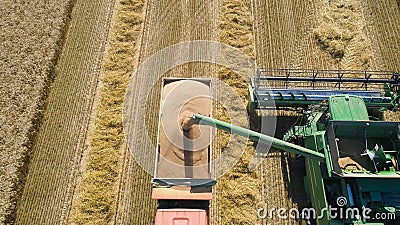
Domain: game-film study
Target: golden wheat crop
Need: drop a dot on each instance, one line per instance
(31, 37)
(60, 142)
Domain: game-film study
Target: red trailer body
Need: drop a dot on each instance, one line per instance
(181, 217)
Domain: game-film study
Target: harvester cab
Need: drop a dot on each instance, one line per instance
(356, 144)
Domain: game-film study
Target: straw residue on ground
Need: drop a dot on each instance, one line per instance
(238, 191)
(95, 201)
(341, 33)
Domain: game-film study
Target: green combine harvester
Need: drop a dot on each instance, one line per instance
(351, 159)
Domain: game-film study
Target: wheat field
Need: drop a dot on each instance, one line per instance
(65, 66)
(31, 39)
(60, 142)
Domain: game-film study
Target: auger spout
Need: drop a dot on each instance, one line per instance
(255, 136)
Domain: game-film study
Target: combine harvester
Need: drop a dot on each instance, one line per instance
(351, 159)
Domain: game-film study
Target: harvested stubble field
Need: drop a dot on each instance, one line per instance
(58, 147)
(107, 186)
(382, 18)
(31, 38)
(96, 199)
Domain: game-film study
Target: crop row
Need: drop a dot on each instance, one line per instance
(58, 148)
(31, 38)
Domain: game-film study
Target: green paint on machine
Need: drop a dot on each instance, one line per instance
(347, 155)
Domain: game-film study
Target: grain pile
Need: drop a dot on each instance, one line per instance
(184, 146)
(31, 37)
